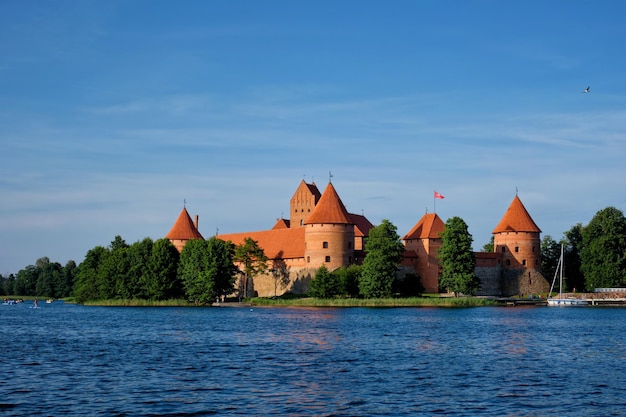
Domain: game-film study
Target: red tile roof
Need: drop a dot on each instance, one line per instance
(329, 209)
(276, 243)
(428, 227)
(183, 228)
(516, 219)
(281, 224)
(362, 226)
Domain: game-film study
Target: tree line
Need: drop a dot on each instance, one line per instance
(595, 256)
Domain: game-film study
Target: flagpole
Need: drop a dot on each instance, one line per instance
(434, 202)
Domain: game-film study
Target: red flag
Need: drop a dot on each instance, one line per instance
(437, 195)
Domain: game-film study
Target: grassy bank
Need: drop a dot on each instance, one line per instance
(139, 303)
(300, 301)
(375, 302)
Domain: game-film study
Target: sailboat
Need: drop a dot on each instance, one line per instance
(563, 301)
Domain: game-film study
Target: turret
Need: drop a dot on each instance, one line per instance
(518, 239)
(184, 229)
(329, 233)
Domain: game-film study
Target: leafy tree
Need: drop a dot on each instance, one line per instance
(573, 245)
(348, 278)
(384, 253)
(8, 285)
(550, 254)
(457, 259)
(325, 284)
(206, 269)
(86, 283)
(26, 281)
(488, 247)
(66, 280)
(162, 282)
(603, 255)
(50, 274)
(253, 262)
(138, 274)
(410, 285)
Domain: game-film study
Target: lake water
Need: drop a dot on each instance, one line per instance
(491, 361)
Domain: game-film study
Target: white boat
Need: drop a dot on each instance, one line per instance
(561, 301)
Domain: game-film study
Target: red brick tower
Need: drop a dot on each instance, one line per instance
(329, 233)
(302, 203)
(517, 238)
(423, 243)
(183, 230)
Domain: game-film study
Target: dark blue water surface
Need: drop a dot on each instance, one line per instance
(65, 359)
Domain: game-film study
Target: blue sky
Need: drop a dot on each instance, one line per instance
(113, 113)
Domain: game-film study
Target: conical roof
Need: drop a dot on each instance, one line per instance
(329, 209)
(429, 226)
(516, 219)
(183, 228)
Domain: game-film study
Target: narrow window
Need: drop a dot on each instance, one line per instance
(508, 262)
(308, 259)
(524, 262)
(328, 259)
(503, 249)
(325, 245)
(516, 249)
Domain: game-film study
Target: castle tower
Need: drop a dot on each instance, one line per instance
(302, 203)
(517, 238)
(424, 241)
(183, 230)
(329, 233)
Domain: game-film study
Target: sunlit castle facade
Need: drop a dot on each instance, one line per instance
(320, 231)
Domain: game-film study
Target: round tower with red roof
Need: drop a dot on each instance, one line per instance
(518, 238)
(184, 229)
(329, 233)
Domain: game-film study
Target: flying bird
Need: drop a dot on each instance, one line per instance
(586, 90)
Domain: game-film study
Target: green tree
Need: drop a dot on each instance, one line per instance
(573, 246)
(139, 257)
(66, 280)
(26, 281)
(50, 274)
(86, 283)
(604, 249)
(380, 266)
(348, 278)
(325, 284)
(457, 259)
(410, 285)
(488, 247)
(253, 262)
(550, 254)
(206, 269)
(163, 283)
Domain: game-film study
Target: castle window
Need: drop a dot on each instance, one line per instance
(524, 262)
(328, 259)
(508, 262)
(308, 259)
(503, 249)
(516, 249)
(301, 222)
(325, 245)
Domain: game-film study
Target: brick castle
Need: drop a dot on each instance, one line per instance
(320, 231)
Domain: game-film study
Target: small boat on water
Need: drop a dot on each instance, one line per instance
(563, 301)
